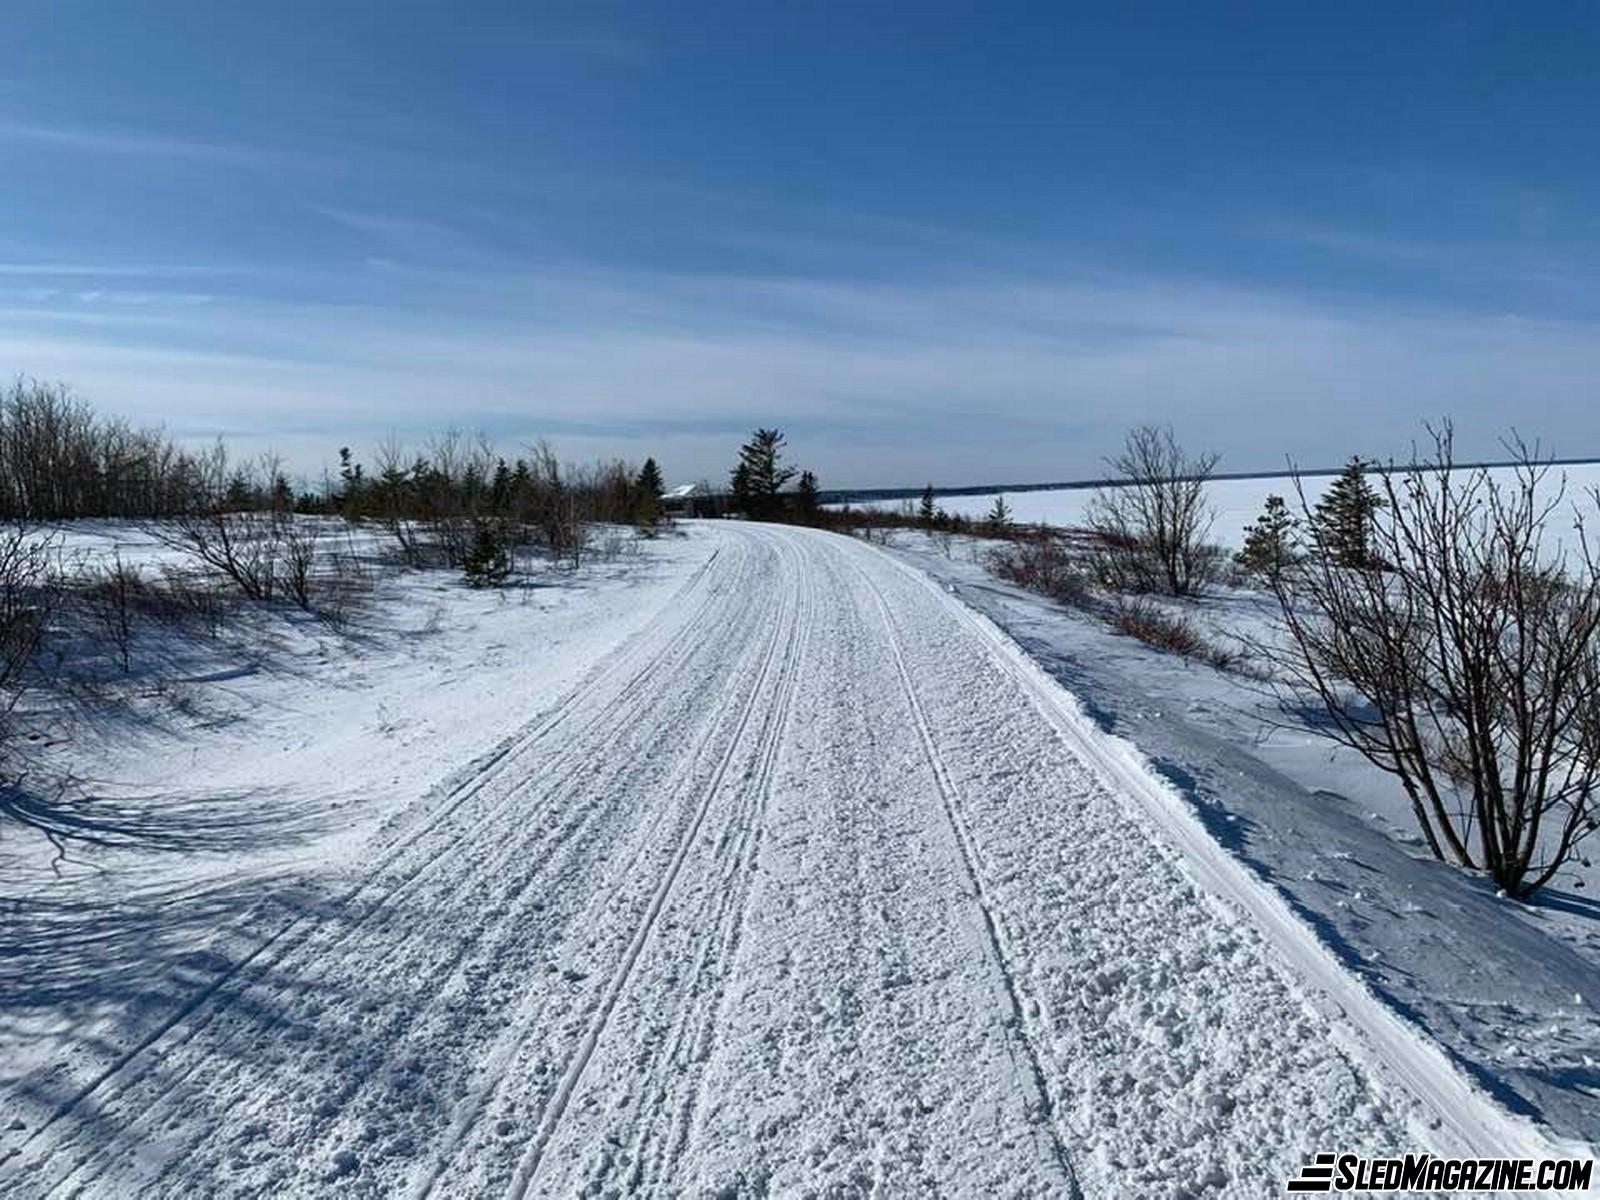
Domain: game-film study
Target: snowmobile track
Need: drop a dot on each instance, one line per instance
(810, 885)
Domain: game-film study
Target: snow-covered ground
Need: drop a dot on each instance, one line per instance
(1511, 990)
(1236, 502)
(750, 863)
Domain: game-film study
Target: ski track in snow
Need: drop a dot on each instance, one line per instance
(799, 892)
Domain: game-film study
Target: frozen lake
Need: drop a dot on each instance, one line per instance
(1237, 502)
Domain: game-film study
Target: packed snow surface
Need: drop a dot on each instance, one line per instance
(791, 878)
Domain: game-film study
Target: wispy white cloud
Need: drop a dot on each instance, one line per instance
(44, 270)
(142, 144)
(968, 380)
(430, 239)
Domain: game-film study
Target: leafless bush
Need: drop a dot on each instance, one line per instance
(27, 598)
(182, 598)
(620, 545)
(1152, 524)
(298, 550)
(1042, 562)
(112, 595)
(1154, 625)
(242, 547)
(343, 588)
(260, 547)
(565, 533)
(1464, 659)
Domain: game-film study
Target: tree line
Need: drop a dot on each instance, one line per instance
(59, 460)
(1431, 616)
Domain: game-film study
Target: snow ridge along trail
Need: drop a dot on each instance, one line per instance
(804, 890)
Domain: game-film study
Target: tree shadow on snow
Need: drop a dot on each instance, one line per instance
(71, 819)
(258, 1003)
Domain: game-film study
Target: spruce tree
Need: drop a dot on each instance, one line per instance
(500, 487)
(1342, 522)
(1272, 543)
(999, 518)
(648, 488)
(806, 497)
(927, 511)
(352, 482)
(486, 563)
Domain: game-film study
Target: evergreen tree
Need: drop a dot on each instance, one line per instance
(1342, 522)
(486, 564)
(521, 487)
(1273, 542)
(740, 488)
(351, 479)
(999, 518)
(926, 512)
(240, 496)
(648, 488)
(761, 474)
(500, 488)
(472, 485)
(806, 497)
(393, 488)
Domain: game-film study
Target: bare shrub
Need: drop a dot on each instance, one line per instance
(345, 585)
(242, 547)
(27, 597)
(244, 533)
(183, 598)
(618, 545)
(1042, 562)
(111, 595)
(298, 550)
(1153, 522)
(1462, 657)
(1156, 626)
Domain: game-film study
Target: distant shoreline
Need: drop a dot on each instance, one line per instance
(872, 495)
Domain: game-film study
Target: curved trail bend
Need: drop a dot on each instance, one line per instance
(803, 891)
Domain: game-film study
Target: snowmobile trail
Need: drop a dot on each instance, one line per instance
(803, 890)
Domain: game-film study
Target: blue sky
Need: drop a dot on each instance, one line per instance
(960, 242)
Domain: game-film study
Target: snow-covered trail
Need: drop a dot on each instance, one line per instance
(800, 892)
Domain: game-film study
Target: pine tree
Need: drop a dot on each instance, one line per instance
(1273, 542)
(927, 512)
(999, 518)
(486, 564)
(648, 488)
(806, 497)
(761, 474)
(1342, 522)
